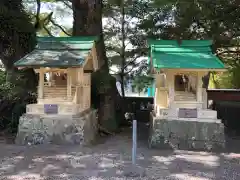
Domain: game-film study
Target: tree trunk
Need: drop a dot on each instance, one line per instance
(14, 46)
(123, 48)
(122, 85)
(87, 15)
(205, 80)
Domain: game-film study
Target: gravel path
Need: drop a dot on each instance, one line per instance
(111, 160)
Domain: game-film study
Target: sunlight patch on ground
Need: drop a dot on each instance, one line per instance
(231, 155)
(60, 156)
(106, 163)
(9, 163)
(38, 160)
(209, 160)
(76, 163)
(186, 176)
(165, 160)
(49, 167)
(24, 176)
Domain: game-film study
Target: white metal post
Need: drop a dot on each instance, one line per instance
(134, 147)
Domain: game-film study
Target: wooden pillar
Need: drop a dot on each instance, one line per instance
(171, 88)
(51, 81)
(199, 87)
(96, 64)
(69, 84)
(86, 91)
(80, 76)
(155, 99)
(41, 84)
(156, 91)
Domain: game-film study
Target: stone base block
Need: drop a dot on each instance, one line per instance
(62, 109)
(173, 113)
(186, 134)
(57, 129)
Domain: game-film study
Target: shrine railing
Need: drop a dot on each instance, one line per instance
(58, 93)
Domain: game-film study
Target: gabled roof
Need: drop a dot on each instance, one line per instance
(189, 54)
(58, 52)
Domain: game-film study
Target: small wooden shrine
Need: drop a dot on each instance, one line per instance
(180, 102)
(63, 111)
(64, 65)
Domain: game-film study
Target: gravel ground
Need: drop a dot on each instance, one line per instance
(111, 160)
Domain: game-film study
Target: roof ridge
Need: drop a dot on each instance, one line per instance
(184, 43)
(69, 39)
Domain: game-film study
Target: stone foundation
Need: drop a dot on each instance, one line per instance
(62, 109)
(189, 134)
(57, 129)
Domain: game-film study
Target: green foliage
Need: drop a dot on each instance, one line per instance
(2, 77)
(17, 38)
(17, 33)
(142, 82)
(13, 101)
(220, 80)
(125, 58)
(217, 20)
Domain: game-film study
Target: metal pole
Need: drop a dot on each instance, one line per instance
(134, 140)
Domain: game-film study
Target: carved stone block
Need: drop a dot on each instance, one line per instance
(58, 129)
(185, 134)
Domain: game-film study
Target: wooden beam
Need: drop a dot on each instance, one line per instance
(96, 64)
(41, 84)
(88, 71)
(45, 70)
(88, 64)
(195, 70)
(69, 83)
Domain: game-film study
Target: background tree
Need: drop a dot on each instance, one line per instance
(142, 82)
(195, 19)
(125, 59)
(17, 38)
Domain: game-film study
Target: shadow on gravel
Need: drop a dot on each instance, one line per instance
(112, 159)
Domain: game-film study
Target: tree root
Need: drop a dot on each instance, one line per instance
(103, 130)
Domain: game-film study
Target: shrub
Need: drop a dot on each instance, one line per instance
(13, 101)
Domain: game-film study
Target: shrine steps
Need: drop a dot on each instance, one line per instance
(58, 94)
(184, 96)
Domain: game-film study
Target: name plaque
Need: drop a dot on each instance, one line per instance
(50, 108)
(187, 113)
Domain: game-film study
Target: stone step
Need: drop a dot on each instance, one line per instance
(177, 99)
(191, 95)
(58, 100)
(58, 93)
(184, 96)
(181, 97)
(187, 97)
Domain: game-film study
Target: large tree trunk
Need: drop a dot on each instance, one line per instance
(88, 22)
(123, 63)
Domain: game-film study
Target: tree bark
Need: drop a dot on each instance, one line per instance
(87, 15)
(123, 62)
(16, 42)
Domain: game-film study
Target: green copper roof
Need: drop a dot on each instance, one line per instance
(189, 54)
(58, 52)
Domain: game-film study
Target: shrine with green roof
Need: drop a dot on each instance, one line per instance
(64, 66)
(178, 69)
(67, 63)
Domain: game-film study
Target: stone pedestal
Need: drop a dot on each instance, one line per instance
(57, 129)
(186, 134)
(62, 109)
(201, 115)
